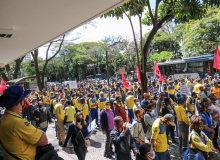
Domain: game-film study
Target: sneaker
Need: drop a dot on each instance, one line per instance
(217, 148)
(112, 153)
(60, 143)
(107, 155)
(69, 145)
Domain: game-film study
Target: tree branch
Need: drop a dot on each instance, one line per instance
(151, 14)
(48, 48)
(58, 49)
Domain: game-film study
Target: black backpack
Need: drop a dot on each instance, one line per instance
(144, 125)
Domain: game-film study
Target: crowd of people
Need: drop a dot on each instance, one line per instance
(129, 122)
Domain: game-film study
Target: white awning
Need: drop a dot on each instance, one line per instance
(34, 23)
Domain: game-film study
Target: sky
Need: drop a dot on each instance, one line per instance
(104, 27)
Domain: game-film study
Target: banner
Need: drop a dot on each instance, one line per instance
(184, 90)
(72, 84)
(91, 127)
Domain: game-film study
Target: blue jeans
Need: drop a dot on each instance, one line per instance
(44, 129)
(136, 145)
(172, 97)
(94, 114)
(130, 115)
(34, 123)
(163, 155)
(67, 130)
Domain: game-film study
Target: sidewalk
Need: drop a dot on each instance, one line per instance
(96, 150)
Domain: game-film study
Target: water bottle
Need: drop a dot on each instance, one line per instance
(25, 118)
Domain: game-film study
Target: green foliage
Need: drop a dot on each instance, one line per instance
(163, 56)
(201, 36)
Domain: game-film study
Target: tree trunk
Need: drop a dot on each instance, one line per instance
(35, 56)
(3, 75)
(17, 67)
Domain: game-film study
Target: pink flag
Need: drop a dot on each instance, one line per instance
(157, 71)
(2, 86)
(124, 81)
(216, 63)
(138, 74)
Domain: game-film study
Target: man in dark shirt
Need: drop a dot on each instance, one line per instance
(160, 102)
(122, 140)
(145, 101)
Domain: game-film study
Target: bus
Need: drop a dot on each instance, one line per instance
(190, 66)
(101, 76)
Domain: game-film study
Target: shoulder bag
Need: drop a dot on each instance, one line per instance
(87, 141)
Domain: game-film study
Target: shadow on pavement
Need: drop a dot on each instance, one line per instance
(95, 144)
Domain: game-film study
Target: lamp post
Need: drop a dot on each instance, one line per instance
(106, 49)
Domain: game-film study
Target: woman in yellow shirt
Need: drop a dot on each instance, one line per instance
(215, 90)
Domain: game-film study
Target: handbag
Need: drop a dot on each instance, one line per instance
(87, 141)
(43, 124)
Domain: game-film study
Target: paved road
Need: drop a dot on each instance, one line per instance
(96, 150)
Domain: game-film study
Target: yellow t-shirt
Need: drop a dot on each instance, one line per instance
(18, 136)
(196, 142)
(84, 110)
(58, 111)
(134, 108)
(196, 88)
(32, 95)
(46, 100)
(70, 112)
(191, 102)
(181, 114)
(217, 95)
(73, 101)
(129, 102)
(159, 135)
(101, 103)
(91, 102)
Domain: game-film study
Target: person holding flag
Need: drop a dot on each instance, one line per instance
(77, 132)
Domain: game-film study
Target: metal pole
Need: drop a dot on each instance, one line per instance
(107, 73)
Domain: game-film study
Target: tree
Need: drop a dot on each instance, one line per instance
(165, 10)
(201, 36)
(40, 80)
(17, 67)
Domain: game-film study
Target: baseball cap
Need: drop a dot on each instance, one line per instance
(181, 99)
(170, 119)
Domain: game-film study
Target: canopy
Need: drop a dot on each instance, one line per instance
(28, 24)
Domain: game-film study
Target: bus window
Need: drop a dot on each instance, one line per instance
(195, 67)
(168, 70)
(180, 68)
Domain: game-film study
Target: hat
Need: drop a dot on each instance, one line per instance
(170, 119)
(181, 99)
(13, 95)
(34, 98)
(63, 99)
(101, 93)
(170, 82)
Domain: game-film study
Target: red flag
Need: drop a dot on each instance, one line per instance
(124, 81)
(138, 74)
(216, 63)
(157, 71)
(2, 86)
(210, 69)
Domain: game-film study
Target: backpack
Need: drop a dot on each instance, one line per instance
(51, 106)
(144, 125)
